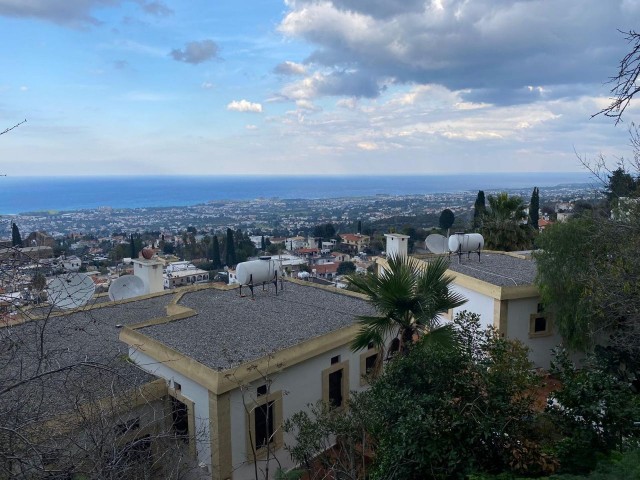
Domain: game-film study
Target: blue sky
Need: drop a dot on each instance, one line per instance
(304, 86)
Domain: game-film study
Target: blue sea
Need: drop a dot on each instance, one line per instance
(28, 194)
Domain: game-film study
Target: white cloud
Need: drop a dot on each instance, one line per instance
(244, 106)
(493, 49)
(74, 13)
(251, 127)
(196, 52)
(207, 85)
(290, 68)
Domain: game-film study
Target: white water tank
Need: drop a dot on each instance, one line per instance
(466, 242)
(263, 270)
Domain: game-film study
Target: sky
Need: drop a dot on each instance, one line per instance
(307, 87)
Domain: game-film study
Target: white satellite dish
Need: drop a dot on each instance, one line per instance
(71, 290)
(436, 243)
(127, 286)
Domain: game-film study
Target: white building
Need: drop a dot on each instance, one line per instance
(211, 353)
(500, 287)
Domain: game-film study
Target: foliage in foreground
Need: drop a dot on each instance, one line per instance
(594, 412)
(618, 466)
(437, 412)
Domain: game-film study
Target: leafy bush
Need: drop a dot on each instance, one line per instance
(594, 412)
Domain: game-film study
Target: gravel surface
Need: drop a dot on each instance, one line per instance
(87, 336)
(230, 330)
(497, 269)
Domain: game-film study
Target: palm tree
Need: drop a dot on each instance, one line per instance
(409, 297)
(503, 224)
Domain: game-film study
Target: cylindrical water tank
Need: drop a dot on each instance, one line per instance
(263, 270)
(466, 242)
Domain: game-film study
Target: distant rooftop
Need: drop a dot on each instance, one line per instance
(502, 270)
(229, 330)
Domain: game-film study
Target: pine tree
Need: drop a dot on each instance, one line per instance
(231, 249)
(215, 252)
(16, 239)
(479, 208)
(534, 207)
(446, 220)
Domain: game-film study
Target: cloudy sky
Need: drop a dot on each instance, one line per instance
(308, 86)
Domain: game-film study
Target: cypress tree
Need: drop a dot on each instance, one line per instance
(132, 244)
(231, 249)
(215, 252)
(263, 243)
(359, 226)
(16, 238)
(479, 207)
(534, 207)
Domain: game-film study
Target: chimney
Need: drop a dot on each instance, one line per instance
(396, 244)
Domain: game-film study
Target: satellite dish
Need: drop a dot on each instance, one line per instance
(127, 286)
(71, 290)
(436, 243)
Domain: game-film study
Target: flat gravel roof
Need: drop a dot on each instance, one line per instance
(496, 269)
(230, 330)
(85, 336)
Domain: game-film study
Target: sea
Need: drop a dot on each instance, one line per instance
(32, 194)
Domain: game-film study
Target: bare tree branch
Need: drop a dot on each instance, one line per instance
(11, 128)
(625, 81)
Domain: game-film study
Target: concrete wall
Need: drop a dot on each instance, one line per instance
(519, 314)
(189, 389)
(476, 303)
(303, 382)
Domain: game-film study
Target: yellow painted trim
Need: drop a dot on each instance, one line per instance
(548, 331)
(250, 428)
(220, 432)
(364, 377)
(345, 382)
(191, 418)
(501, 316)
(220, 382)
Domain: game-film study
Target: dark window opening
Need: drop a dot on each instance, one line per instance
(370, 345)
(180, 418)
(370, 363)
(540, 325)
(262, 390)
(335, 359)
(540, 307)
(335, 388)
(264, 424)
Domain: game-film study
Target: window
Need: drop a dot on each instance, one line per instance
(335, 388)
(540, 325)
(264, 424)
(261, 390)
(369, 365)
(335, 359)
(335, 384)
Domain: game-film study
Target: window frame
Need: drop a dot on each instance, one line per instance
(344, 366)
(548, 331)
(364, 356)
(254, 453)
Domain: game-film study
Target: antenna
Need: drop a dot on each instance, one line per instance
(127, 286)
(70, 290)
(436, 243)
